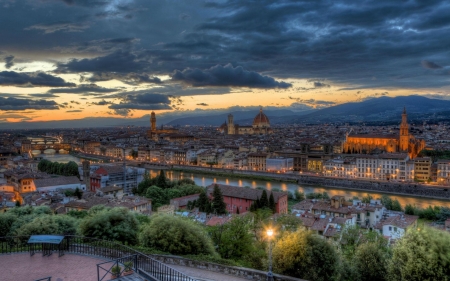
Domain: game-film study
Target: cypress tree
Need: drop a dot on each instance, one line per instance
(162, 181)
(203, 202)
(264, 201)
(272, 203)
(218, 205)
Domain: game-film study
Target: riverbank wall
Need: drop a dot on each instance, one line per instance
(401, 188)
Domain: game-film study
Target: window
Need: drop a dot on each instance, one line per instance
(390, 228)
(368, 214)
(395, 229)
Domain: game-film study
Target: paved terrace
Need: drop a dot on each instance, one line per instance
(70, 267)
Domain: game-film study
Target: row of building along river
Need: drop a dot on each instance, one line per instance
(205, 180)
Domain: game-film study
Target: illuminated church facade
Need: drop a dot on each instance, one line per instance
(154, 132)
(260, 126)
(367, 144)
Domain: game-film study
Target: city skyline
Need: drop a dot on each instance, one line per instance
(72, 59)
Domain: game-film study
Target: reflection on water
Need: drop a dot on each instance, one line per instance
(61, 158)
(205, 180)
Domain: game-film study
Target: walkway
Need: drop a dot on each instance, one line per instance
(69, 267)
(205, 275)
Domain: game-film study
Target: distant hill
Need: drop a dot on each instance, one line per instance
(377, 109)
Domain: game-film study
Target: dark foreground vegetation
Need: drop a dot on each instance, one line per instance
(354, 254)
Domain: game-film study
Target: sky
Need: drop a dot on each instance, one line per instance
(72, 59)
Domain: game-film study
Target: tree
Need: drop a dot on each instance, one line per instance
(272, 205)
(387, 202)
(396, 205)
(157, 195)
(370, 262)
(218, 205)
(305, 255)
(49, 224)
(133, 154)
(203, 202)
(117, 224)
(299, 196)
(421, 255)
(78, 193)
(233, 239)
(264, 200)
(6, 221)
(161, 180)
(176, 235)
(367, 198)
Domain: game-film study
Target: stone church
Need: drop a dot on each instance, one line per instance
(368, 144)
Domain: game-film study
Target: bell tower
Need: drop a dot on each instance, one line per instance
(153, 121)
(404, 132)
(230, 125)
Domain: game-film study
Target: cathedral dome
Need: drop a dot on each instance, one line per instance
(261, 119)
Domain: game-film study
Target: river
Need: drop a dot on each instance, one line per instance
(205, 180)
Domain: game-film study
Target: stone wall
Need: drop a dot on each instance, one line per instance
(247, 273)
(413, 189)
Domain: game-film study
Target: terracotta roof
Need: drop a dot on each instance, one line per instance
(111, 188)
(243, 192)
(56, 181)
(260, 118)
(182, 201)
(402, 221)
(373, 136)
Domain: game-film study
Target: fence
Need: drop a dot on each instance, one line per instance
(145, 265)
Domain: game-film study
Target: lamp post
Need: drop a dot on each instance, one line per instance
(269, 274)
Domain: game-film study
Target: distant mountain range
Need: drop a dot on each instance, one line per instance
(378, 109)
(383, 109)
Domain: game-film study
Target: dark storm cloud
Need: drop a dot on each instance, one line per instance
(226, 76)
(202, 104)
(22, 104)
(82, 89)
(9, 61)
(318, 84)
(102, 102)
(59, 26)
(129, 78)
(374, 43)
(85, 3)
(11, 78)
(44, 95)
(100, 46)
(430, 65)
(144, 101)
(75, 110)
(120, 61)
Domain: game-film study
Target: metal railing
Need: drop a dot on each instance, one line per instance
(145, 265)
(117, 267)
(44, 279)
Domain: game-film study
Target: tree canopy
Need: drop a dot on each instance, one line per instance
(176, 235)
(116, 224)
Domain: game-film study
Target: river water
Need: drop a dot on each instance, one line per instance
(205, 180)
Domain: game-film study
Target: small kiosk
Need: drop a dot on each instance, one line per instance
(48, 243)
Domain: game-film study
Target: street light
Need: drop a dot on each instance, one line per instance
(269, 274)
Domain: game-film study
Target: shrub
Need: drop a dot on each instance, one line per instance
(305, 255)
(116, 224)
(421, 255)
(177, 236)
